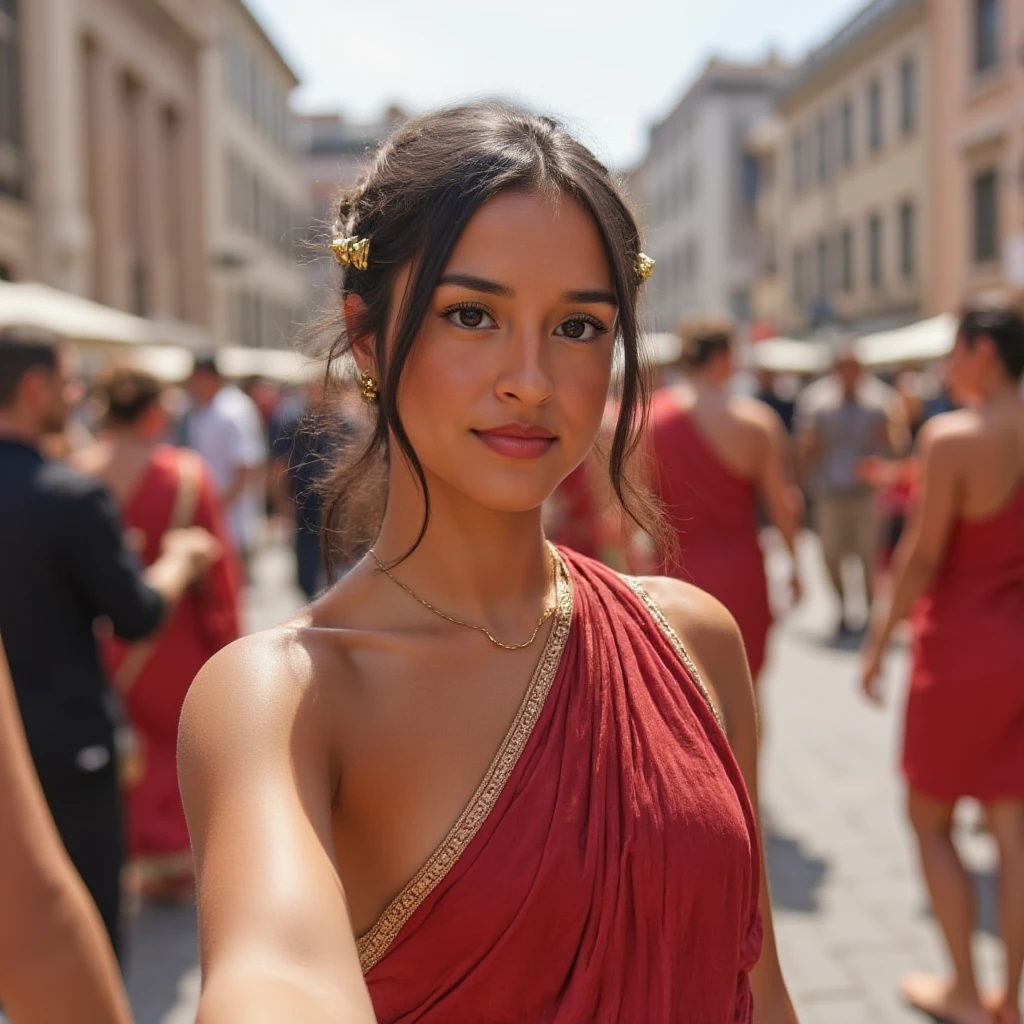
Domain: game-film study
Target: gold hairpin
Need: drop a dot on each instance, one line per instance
(351, 252)
(644, 266)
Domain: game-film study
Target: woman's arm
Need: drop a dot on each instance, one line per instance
(922, 546)
(255, 767)
(713, 641)
(56, 963)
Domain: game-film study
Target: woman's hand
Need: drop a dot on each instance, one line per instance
(872, 657)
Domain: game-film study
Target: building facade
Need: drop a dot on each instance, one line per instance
(16, 222)
(255, 202)
(846, 222)
(697, 190)
(977, 153)
(111, 131)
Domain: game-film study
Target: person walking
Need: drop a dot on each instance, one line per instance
(959, 571)
(844, 422)
(159, 488)
(483, 778)
(224, 427)
(66, 569)
(56, 963)
(716, 454)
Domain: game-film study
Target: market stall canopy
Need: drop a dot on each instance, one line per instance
(86, 322)
(922, 342)
(786, 355)
(280, 364)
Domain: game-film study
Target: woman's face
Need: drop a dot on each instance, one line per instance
(503, 391)
(964, 370)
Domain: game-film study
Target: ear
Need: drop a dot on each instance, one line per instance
(361, 343)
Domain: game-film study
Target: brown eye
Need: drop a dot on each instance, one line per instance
(574, 328)
(470, 317)
(577, 328)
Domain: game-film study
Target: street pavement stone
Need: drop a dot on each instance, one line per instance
(850, 911)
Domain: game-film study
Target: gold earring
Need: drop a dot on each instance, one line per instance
(644, 266)
(368, 388)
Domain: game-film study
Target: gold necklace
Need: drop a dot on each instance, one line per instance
(548, 612)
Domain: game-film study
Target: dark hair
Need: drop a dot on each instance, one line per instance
(424, 186)
(23, 349)
(999, 318)
(205, 362)
(705, 337)
(126, 394)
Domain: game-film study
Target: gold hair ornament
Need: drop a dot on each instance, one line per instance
(351, 252)
(644, 266)
(368, 388)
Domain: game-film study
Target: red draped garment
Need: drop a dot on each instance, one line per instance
(205, 620)
(714, 514)
(607, 869)
(964, 731)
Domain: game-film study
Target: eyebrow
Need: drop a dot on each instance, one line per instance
(481, 284)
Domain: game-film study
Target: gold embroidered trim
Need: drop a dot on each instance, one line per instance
(673, 637)
(375, 943)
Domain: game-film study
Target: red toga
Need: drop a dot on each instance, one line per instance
(205, 620)
(607, 869)
(965, 709)
(714, 514)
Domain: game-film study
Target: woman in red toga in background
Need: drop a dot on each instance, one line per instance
(716, 454)
(480, 778)
(961, 562)
(159, 487)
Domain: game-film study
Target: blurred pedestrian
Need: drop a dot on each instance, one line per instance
(607, 866)
(56, 963)
(716, 453)
(844, 421)
(770, 391)
(224, 426)
(65, 566)
(960, 567)
(305, 438)
(161, 488)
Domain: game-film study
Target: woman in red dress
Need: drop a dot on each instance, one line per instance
(960, 567)
(159, 487)
(482, 778)
(716, 454)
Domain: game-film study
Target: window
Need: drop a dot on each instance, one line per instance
(987, 29)
(908, 96)
(846, 131)
(821, 146)
(875, 134)
(986, 216)
(846, 259)
(798, 277)
(908, 242)
(875, 251)
(739, 303)
(822, 270)
(798, 163)
(12, 162)
(749, 175)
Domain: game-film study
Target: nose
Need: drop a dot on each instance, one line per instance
(524, 378)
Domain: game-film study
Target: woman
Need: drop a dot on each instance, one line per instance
(159, 488)
(56, 962)
(475, 780)
(961, 562)
(716, 454)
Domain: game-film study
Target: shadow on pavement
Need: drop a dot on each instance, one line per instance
(162, 948)
(796, 876)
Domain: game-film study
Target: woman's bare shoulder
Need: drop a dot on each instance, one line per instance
(257, 690)
(701, 621)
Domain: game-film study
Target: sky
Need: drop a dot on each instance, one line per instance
(610, 68)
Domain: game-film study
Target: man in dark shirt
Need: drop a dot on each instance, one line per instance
(63, 566)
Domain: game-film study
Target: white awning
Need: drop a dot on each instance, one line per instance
(917, 343)
(786, 355)
(81, 320)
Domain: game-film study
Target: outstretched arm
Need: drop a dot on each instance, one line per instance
(255, 768)
(56, 963)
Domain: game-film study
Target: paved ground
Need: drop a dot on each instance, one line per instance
(851, 916)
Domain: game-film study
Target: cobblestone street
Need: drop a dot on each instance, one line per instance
(850, 913)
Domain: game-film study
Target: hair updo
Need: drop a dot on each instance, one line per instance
(413, 203)
(126, 394)
(1000, 318)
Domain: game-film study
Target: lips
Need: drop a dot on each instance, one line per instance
(518, 440)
